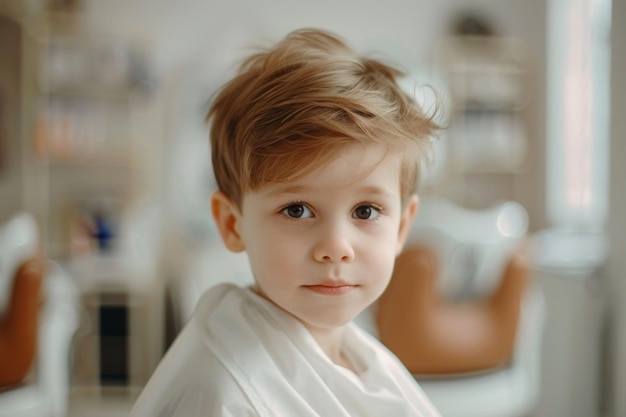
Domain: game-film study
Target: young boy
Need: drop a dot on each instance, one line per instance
(316, 151)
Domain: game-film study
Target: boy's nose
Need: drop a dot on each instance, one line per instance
(334, 246)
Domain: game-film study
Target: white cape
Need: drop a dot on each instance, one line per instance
(240, 355)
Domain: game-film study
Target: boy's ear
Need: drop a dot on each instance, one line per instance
(227, 218)
(408, 215)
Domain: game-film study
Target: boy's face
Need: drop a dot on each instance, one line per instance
(323, 247)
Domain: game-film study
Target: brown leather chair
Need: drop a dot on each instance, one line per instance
(39, 313)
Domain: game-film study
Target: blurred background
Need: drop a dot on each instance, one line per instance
(103, 143)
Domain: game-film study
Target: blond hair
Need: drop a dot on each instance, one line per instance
(291, 108)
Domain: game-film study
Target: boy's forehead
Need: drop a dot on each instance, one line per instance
(370, 169)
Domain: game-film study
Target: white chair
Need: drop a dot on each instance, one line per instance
(473, 248)
(207, 265)
(44, 393)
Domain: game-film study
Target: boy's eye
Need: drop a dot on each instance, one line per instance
(366, 212)
(297, 211)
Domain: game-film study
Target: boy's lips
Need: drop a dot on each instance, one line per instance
(331, 287)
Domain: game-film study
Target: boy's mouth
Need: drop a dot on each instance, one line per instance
(332, 287)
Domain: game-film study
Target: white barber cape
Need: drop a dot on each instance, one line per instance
(240, 355)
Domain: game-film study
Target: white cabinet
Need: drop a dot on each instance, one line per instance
(568, 266)
(120, 341)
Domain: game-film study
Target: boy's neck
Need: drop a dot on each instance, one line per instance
(331, 342)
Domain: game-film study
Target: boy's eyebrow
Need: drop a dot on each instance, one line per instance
(290, 189)
(376, 190)
(301, 188)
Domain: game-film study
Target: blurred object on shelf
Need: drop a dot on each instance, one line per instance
(94, 227)
(72, 127)
(64, 5)
(91, 66)
(3, 133)
(473, 24)
(489, 140)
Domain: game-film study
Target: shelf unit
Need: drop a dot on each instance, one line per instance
(487, 141)
(83, 97)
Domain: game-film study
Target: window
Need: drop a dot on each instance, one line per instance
(578, 113)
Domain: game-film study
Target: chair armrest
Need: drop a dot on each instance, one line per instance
(529, 341)
(60, 320)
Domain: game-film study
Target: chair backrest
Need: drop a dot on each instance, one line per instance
(473, 246)
(59, 321)
(19, 241)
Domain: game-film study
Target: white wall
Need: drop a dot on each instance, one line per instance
(190, 30)
(617, 216)
(10, 79)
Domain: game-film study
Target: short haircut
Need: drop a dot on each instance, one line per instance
(292, 107)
